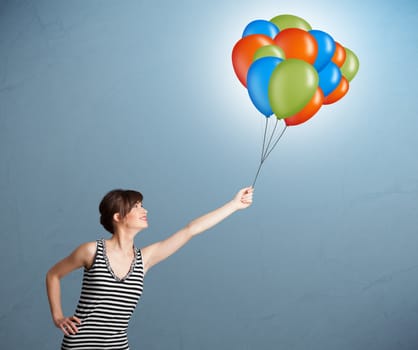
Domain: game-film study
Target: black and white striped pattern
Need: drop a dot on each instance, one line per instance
(106, 305)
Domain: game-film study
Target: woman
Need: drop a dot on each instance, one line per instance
(114, 270)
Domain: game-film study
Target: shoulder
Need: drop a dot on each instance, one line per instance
(87, 248)
(85, 253)
(81, 256)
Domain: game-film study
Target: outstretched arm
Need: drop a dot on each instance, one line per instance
(159, 251)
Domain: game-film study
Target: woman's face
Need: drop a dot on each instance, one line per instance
(137, 217)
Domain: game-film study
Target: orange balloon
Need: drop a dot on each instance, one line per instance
(297, 43)
(338, 93)
(308, 111)
(243, 54)
(339, 55)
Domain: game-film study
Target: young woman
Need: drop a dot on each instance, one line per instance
(114, 270)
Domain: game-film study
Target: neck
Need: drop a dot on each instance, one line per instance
(123, 242)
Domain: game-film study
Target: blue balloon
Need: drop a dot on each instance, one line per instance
(329, 78)
(258, 78)
(261, 26)
(326, 48)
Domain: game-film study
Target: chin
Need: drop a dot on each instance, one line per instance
(141, 227)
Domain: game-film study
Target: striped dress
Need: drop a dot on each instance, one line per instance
(106, 304)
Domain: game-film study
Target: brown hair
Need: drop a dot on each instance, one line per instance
(117, 201)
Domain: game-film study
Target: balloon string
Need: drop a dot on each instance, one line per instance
(275, 143)
(264, 140)
(264, 149)
(256, 175)
(267, 152)
(271, 137)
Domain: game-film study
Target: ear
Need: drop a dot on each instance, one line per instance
(116, 217)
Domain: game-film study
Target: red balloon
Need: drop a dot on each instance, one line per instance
(339, 55)
(297, 43)
(243, 54)
(338, 93)
(308, 111)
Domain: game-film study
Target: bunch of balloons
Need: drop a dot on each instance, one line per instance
(291, 70)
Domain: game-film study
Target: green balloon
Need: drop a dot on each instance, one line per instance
(290, 21)
(292, 85)
(351, 65)
(269, 51)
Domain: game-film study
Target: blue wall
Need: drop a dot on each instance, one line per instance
(141, 94)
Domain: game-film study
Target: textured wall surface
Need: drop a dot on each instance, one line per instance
(141, 94)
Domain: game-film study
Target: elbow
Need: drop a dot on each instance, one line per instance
(50, 276)
(51, 280)
(190, 230)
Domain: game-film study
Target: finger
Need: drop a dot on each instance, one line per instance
(248, 192)
(74, 318)
(72, 327)
(246, 201)
(69, 327)
(242, 192)
(64, 329)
